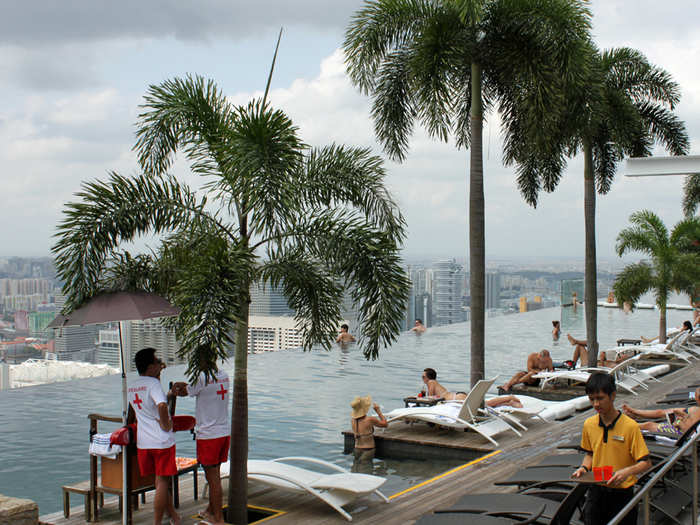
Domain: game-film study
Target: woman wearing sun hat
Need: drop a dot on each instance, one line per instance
(363, 427)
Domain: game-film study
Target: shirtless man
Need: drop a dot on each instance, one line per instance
(536, 362)
(344, 336)
(419, 327)
(435, 389)
(681, 418)
(581, 352)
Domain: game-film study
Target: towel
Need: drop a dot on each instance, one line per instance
(100, 446)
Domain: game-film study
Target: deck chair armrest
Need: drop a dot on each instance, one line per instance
(315, 461)
(529, 517)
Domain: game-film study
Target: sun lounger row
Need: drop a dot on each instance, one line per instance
(628, 376)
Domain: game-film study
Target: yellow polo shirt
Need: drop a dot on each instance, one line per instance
(620, 445)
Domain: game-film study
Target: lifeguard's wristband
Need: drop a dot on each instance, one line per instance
(584, 467)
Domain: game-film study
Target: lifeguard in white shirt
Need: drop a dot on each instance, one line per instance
(155, 440)
(213, 433)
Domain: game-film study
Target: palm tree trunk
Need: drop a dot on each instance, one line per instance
(590, 294)
(662, 323)
(477, 243)
(238, 481)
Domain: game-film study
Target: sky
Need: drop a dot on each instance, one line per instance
(74, 73)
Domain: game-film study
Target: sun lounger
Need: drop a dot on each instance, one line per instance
(624, 379)
(465, 415)
(520, 508)
(336, 489)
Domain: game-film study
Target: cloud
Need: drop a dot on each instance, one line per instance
(44, 22)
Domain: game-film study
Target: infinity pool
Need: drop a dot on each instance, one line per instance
(299, 402)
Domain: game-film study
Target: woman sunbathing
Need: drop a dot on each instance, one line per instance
(687, 325)
(435, 389)
(678, 420)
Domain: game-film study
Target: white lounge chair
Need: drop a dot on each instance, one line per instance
(336, 489)
(673, 349)
(624, 380)
(532, 409)
(460, 415)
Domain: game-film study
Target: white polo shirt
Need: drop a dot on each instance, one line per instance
(212, 407)
(145, 394)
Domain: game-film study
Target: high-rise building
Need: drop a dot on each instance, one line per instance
(493, 290)
(269, 334)
(108, 348)
(38, 321)
(75, 343)
(267, 300)
(150, 333)
(448, 279)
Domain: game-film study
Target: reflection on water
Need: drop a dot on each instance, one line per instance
(299, 402)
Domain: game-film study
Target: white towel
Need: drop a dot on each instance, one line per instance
(100, 446)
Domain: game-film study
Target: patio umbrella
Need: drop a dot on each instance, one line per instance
(118, 307)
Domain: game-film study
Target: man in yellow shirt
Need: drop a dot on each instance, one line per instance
(610, 438)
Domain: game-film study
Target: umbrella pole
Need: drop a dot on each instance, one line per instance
(126, 501)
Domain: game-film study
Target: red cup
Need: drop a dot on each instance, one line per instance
(607, 472)
(598, 473)
(420, 394)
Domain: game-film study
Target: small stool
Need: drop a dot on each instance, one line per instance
(79, 488)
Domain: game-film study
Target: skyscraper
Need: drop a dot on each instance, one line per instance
(493, 290)
(448, 279)
(75, 343)
(266, 300)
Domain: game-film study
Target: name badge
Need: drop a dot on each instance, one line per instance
(619, 438)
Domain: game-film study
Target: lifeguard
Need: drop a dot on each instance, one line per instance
(155, 440)
(213, 434)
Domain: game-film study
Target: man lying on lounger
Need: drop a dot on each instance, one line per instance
(536, 362)
(678, 420)
(435, 389)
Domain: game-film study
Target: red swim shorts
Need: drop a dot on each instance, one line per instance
(158, 461)
(212, 452)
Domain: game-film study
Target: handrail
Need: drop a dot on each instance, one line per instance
(101, 417)
(643, 493)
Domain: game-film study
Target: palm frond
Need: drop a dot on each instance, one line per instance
(311, 292)
(633, 282)
(109, 213)
(211, 280)
(393, 107)
(360, 254)
(691, 194)
(189, 113)
(378, 29)
(336, 176)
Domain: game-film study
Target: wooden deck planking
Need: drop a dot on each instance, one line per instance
(539, 441)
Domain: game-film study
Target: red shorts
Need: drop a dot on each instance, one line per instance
(158, 461)
(212, 452)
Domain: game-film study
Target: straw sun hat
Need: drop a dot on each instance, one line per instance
(360, 406)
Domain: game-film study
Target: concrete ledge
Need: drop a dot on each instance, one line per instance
(17, 511)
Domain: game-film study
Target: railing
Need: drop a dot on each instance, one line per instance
(643, 494)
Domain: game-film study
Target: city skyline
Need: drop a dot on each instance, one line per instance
(73, 85)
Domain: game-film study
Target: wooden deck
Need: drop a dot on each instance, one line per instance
(474, 476)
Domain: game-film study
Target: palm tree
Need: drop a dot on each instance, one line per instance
(306, 220)
(627, 107)
(446, 64)
(671, 266)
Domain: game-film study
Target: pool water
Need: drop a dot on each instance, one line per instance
(299, 402)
